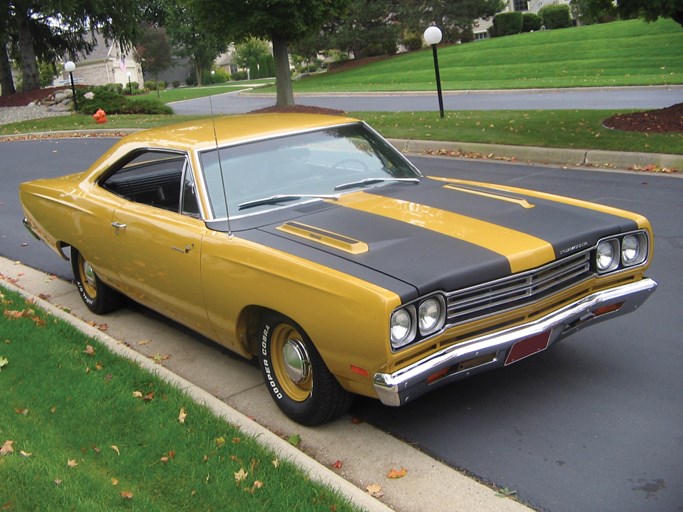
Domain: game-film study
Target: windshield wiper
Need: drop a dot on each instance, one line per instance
(371, 181)
(283, 198)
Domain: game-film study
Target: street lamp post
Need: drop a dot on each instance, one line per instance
(69, 67)
(432, 36)
(130, 85)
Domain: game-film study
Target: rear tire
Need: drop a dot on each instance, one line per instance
(296, 376)
(97, 296)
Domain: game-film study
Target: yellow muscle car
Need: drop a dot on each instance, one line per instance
(309, 242)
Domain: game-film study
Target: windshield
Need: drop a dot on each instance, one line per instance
(276, 173)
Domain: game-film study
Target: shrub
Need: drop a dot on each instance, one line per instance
(555, 16)
(412, 41)
(507, 23)
(239, 75)
(144, 106)
(112, 102)
(176, 84)
(531, 22)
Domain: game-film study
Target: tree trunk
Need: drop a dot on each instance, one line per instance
(198, 72)
(29, 63)
(283, 77)
(6, 80)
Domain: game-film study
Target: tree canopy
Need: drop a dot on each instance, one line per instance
(51, 28)
(650, 10)
(281, 21)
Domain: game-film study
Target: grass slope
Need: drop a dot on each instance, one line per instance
(619, 53)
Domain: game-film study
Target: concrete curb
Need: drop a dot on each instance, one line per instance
(282, 448)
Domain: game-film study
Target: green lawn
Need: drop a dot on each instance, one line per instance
(547, 128)
(83, 429)
(619, 53)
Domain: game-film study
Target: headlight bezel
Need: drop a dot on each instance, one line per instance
(418, 310)
(620, 244)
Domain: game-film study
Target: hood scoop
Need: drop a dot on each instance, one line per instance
(324, 237)
(500, 197)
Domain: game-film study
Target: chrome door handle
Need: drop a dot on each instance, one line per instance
(187, 249)
(118, 225)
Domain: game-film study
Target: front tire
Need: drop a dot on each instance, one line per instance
(296, 376)
(97, 296)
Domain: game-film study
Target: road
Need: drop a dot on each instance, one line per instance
(593, 424)
(592, 98)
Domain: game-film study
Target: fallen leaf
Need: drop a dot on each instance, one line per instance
(182, 415)
(116, 449)
(137, 394)
(144, 342)
(114, 481)
(126, 495)
(240, 475)
(25, 454)
(6, 448)
(58, 482)
(3, 362)
(236, 440)
(23, 412)
(397, 473)
(164, 459)
(148, 397)
(375, 490)
(72, 463)
(337, 465)
(220, 441)
(89, 350)
(275, 463)
(294, 440)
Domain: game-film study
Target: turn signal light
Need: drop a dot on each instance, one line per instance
(607, 309)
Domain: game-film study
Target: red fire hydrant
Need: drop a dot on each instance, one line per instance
(100, 116)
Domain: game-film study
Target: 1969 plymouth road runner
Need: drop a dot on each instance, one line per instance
(309, 242)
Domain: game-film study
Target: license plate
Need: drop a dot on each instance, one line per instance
(528, 347)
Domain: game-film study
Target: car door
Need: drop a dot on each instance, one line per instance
(156, 237)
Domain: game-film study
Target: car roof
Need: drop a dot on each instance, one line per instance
(226, 130)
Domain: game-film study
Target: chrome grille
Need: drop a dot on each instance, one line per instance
(517, 290)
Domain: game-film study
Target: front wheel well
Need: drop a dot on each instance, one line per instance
(248, 326)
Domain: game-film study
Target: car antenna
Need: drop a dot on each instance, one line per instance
(220, 167)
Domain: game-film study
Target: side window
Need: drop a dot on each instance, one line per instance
(154, 178)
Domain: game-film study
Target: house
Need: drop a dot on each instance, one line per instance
(481, 26)
(107, 63)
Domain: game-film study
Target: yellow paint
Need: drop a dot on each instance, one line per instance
(325, 237)
(515, 200)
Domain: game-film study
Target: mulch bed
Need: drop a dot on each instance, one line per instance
(664, 120)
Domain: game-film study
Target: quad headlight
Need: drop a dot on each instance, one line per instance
(417, 320)
(633, 249)
(621, 252)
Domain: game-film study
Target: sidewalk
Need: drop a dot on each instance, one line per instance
(233, 388)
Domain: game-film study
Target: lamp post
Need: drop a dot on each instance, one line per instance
(130, 86)
(432, 36)
(69, 67)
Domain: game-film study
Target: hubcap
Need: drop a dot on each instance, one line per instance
(291, 363)
(296, 361)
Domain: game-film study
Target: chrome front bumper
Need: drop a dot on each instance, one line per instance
(444, 367)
